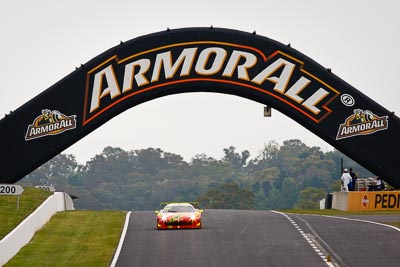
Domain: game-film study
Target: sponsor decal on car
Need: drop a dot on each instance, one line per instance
(50, 122)
(362, 122)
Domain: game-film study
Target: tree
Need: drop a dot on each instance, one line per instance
(235, 159)
(274, 199)
(266, 159)
(310, 197)
(277, 178)
(260, 201)
(54, 172)
(228, 196)
(336, 157)
(289, 193)
(150, 161)
(335, 186)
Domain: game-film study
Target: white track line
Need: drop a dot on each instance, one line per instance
(308, 240)
(360, 220)
(336, 257)
(121, 240)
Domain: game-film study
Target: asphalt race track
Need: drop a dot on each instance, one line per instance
(261, 238)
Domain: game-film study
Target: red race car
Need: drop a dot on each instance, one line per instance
(179, 215)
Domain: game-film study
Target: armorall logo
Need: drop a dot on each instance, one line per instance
(278, 75)
(362, 122)
(50, 122)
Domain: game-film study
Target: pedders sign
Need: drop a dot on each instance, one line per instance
(390, 200)
(373, 200)
(279, 75)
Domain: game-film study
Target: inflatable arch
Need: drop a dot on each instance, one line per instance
(200, 60)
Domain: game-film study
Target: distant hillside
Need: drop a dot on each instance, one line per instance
(281, 176)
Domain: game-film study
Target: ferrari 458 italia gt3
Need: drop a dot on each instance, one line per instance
(179, 215)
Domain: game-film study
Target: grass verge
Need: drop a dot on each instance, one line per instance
(345, 213)
(341, 213)
(74, 238)
(10, 217)
(396, 224)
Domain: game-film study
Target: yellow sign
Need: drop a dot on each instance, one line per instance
(378, 200)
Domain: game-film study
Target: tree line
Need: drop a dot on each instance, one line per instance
(281, 176)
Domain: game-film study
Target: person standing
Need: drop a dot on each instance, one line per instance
(380, 184)
(346, 180)
(353, 179)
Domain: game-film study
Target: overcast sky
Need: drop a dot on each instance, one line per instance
(43, 41)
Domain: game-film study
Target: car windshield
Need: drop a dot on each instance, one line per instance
(179, 208)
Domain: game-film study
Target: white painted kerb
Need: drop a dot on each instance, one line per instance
(23, 233)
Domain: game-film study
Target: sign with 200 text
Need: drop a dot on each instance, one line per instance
(10, 190)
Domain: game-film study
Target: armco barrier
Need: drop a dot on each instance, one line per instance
(23, 233)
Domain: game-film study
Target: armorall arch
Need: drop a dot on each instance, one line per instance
(200, 60)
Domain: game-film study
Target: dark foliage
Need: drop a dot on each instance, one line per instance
(279, 177)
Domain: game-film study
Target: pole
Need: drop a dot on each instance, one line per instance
(341, 166)
(341, 172)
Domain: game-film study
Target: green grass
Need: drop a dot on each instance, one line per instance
(85, 238)
(397, 224)
(332, 212)
(74, 238)
(341, 213)
(10, 217)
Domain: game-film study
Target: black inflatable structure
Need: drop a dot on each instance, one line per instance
(200, 60)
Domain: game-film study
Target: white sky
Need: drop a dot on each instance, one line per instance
(43, 41)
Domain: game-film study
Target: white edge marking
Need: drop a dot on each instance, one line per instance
(121, 240)
(330, 264)
(360, 220)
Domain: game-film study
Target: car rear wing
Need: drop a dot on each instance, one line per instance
(195, 204)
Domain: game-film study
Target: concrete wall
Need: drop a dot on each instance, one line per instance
(322, 204)
(23, 233)
(339, 200)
